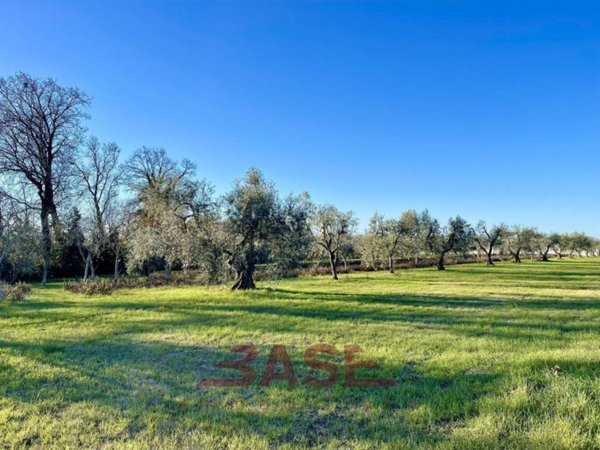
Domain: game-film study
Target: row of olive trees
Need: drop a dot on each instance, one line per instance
(414, 235)
(65, 195)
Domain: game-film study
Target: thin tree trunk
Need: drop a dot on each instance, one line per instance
(391, 264)
(116, 266)
(333, 265)
(87, 267)
(46, 243)
(92, 268)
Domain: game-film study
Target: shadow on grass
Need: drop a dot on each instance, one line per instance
(460, 316)
(149, 382)
(152, 384)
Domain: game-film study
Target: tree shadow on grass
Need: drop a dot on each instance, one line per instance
(436, 300)
(524, 319)
(152, 386)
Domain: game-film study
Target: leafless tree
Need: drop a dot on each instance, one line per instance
(118, 219)
(151, 168)
(40, 126)
(101, 175)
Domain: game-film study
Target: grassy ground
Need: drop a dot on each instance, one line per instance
(474, 351)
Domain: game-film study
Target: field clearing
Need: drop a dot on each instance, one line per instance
(484, 357)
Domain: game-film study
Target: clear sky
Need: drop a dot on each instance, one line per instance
(487, 109)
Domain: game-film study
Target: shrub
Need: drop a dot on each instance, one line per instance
(97, 286)
(105, 286)
(16, 292)
(275, 273)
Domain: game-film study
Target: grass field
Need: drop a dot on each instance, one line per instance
(500, 357)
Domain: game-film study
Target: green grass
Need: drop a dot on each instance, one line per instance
(472, 350)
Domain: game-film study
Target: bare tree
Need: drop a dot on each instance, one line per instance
(151, 168)
(331, 227)
(40, 125)
(118, 219)
(98, 168)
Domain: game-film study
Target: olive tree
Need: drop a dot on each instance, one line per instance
(172, 213)
(388, 235)
(561, 243)
(580, 243)
(331, 228)
(487, 239)
(519, 239)
(370, 249)
(453, 237)
(292, 242)
(252, 221)
(544, 243)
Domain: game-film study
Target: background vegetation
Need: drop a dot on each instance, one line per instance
(70, 207)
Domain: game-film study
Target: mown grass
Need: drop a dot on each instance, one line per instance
(474, 350)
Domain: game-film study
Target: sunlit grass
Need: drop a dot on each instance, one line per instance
(500, 357)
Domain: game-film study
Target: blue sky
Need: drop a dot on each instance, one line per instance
(487, 109)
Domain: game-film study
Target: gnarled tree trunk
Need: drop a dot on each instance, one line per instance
(440, 262)
(245, 272)
(244, 280)
(517, 256)
(545, 254)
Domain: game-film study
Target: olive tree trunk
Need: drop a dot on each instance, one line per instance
(333, 265)
(440, 262)
(244, 280)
